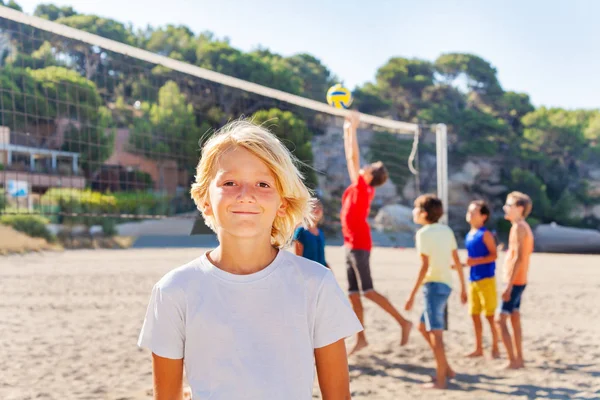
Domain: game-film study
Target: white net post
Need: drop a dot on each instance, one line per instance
(442, 167)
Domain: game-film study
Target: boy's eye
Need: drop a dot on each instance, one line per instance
(264, 185)
(228, 183)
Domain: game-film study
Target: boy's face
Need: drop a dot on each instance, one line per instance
(419, 216)
(318, 213)
(242, 196)
(512, 212)
(474, 215)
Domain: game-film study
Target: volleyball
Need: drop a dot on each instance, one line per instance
(339, 97)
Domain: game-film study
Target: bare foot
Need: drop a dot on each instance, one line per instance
(511, 365)
(406, 333)
(450, 374)
(520, 364)
(360, 344)
(495, 354)
(434, 385)
(476, 353)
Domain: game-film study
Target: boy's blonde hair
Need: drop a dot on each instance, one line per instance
(521, 200)
(266, 146)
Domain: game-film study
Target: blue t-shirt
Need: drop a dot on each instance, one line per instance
(314, 246)
(477, 248)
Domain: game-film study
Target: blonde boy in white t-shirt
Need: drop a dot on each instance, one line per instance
(247, 319)
(437, 248)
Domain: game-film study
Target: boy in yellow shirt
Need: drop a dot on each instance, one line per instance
(437, 248)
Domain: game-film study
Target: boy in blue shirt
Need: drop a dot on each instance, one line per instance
(481, 248)
(310, 242)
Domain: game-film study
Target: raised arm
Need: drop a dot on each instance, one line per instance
(351, 145)
(168, 378)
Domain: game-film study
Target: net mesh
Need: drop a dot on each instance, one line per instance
(93, 136)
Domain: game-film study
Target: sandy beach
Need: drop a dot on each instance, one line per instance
(70, 320)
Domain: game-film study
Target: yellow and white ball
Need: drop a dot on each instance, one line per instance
(339, 97)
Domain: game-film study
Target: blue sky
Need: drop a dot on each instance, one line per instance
(548, 49)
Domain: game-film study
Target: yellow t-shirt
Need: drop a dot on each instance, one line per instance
(437, 242)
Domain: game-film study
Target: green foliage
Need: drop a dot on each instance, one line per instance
(556, 132)
(394, 152)
(14, 5)
(98, 143)
(142, 203)
(63, 90)
(294, 133)
(78, 202)
(480, 75)
(546, 209)
(31, 225)
(104, 209)
(3, 199)
(168, 129)
(52, 12)
(172, 41)
(105, 27)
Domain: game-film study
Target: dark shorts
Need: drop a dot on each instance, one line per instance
(435, 313)
(358, 270)
(512, 305)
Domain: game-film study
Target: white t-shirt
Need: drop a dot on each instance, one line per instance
(248, 336)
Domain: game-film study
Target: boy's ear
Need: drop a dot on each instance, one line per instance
(206, 208)
(282, 210)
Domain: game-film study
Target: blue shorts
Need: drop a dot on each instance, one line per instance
(512, 305)
(436, 296)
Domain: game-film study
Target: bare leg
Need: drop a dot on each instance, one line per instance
(428, 338)
(507, 340)
(478, 337)
(384, 303)
(361, 338)
(440, 358)
(495, 350)
(515, 319)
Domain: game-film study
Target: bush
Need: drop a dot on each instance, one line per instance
(142, 203)
(3, 200)
(31, 225)
(91, 204)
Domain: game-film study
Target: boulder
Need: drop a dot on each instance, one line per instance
(471, 169)
(395, 218)
(595, 174)
(554, 238)
(596, 211)
(594, 188)
(492, 190)
(458, 194)
(463, 178)
(409, 191)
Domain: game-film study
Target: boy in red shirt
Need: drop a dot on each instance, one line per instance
(356, 203)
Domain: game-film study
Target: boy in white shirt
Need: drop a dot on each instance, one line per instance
(247, 319)
(437, 248)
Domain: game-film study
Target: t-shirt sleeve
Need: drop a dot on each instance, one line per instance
(298, 234)
(334, 319)
(422, 244)
(163, 331)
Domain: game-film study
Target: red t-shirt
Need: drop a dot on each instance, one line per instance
(356, 203)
